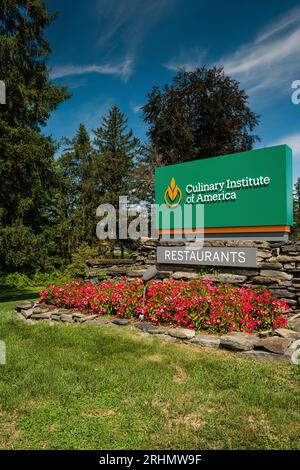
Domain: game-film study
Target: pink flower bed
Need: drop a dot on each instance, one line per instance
(197, 304)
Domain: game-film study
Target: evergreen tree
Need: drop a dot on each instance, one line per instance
(201, 114)
(296, 227)
(28, 176)
(83, 188)
(117, 150)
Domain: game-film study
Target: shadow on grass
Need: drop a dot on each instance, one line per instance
(14, 294)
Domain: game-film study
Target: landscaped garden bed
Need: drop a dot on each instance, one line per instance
(247, 319)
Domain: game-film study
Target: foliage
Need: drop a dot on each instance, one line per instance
(38, 279)
(82, 189)
(296, 227)
(28, 176)
(117, 147)
(203, 113)
(83, 252)
(195, 304)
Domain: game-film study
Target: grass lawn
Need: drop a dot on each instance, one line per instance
(102, 387)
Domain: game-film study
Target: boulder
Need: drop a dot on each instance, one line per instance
(275, 344)
(263, 356)
(185, 276)
(289, 334)
(294, 324)
(181, 333)
(135, 272)
(27, 313)
(280, 275)
(41, 316)
(238, 341)
(66, 317)
(157, 330)
(24, 305)
(209, 341)
(168, 338)
(226, 278)
(120, 321)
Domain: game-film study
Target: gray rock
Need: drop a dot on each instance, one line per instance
(144, 326)
(226, 278)
(287, 259)
(289, 334)
(280, 275)
(185, 276)
(120, 321)
(168, 338)
(86, 317)
(295, 324)
(24, 305)
(238, 341)
(27, 313)
(283, 293)
(156, 330)
(209, 341)
(20, 316)
(263, 254)
(55, 317)
(66, 318)
(263, 356)
(135, 272)
(41, 316)
(76, 315)
(275, 344)
(266, 333)
(269, 264)
(181, 333)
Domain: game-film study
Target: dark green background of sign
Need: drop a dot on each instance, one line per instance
(268, 205)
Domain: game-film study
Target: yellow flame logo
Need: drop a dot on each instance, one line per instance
(173, 194)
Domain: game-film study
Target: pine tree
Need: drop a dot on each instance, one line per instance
(28, 176)
(296, 227)
(117, 149)
(83, 188)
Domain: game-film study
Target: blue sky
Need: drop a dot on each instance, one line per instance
(114, 51)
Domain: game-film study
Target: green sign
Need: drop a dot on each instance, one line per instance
(247, 192)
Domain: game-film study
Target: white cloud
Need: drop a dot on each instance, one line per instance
(287, 20)
(136, 108)
(125, 24)
(293, 140)
(271, 62)
(266, 65)
(123, 69)
(186, 59)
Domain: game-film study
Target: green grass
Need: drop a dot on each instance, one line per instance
(104, 387)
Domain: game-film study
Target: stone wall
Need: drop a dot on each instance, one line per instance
(278, 267)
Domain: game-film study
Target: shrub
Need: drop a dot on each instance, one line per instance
(195, 304)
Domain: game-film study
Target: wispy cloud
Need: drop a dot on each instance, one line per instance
(136, 108)
(293, 140)
(272, 59)
(268, 64)
(123, 69)
(187, 59)
(125, 24)
(289, 19)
